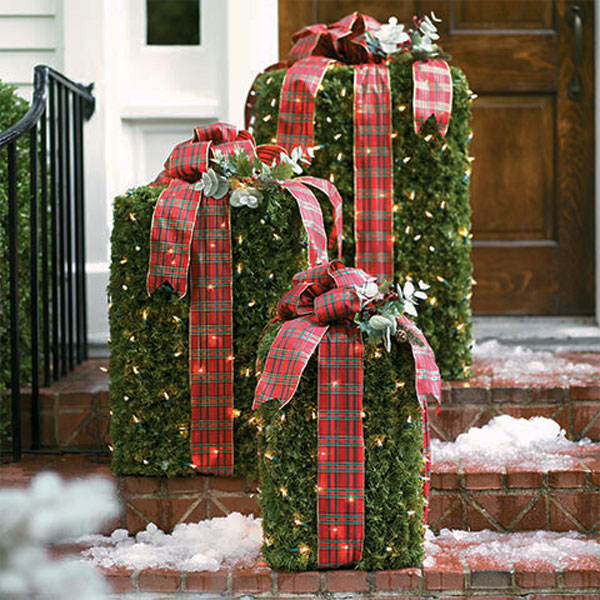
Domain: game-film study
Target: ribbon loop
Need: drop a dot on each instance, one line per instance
(338, 304)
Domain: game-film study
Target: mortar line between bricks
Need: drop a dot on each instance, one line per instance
(274, 583)
(229, 581)
(192, 507)
(182, 581)
(551, 499)
(590, 423)
(525, 509)
(135, 576)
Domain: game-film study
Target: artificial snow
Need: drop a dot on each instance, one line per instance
(47, 513)
(523, 364)
(537, 442)
(556, 548)
(204, 546)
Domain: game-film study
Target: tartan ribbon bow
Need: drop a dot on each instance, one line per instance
(318, 312)
(191, 239)
(343, 40)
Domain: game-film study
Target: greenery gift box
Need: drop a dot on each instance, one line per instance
(226, 220)
(344, 455)
(386, 119)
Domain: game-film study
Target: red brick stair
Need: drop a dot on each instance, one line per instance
(453, 570)
(507, 499)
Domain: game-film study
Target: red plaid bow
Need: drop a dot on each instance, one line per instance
(191, 236)
(318, 312)
(315, 48)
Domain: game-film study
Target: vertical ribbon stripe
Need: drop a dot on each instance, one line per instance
(373, 174)
(432, 93)
(295, 126)
(211, 341)
(340, 448)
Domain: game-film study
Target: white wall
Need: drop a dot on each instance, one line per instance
(30, 34)
(149, 98)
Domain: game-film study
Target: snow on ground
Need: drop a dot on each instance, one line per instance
(225, 541)
(537, 442)
(519, 363)
(204, 546)
(556, 548)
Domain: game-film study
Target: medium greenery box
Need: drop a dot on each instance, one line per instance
(431, 210)
(149, 371)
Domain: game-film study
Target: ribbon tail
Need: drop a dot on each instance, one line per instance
(294, 344)
(171, 232)
(312, 219)
(336, 203)
(295, 126)
(427, 382)
(432, 93)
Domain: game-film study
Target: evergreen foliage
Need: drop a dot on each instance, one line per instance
(12, 109)
(149, 335)
(431, 195)
(393, 463)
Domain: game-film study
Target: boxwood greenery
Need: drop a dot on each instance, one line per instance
(149, 335)
(12, 109)
(393, 462)
(431, 194)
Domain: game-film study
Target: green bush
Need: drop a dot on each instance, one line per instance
(431, 191)
(149, 433)
(12, 109)
(393, 483)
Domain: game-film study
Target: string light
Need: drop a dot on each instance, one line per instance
(402, 107)
(123, 260)
(125, 287)
(267, 118)
(252, 303)
(236, 413)
(406, 159)
(273, 102)
(138, 248)
(428, 214)
(177, 354)
(132, 217)
(303, 549)
(343, 93)
(337, 136)
(283, 491)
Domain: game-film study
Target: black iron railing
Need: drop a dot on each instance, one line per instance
(58, 316)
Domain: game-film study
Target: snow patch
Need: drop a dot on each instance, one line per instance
(537, 443)
(204, 546)
(556, 548)
(522, 364)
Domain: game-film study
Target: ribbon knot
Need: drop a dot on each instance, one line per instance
(343, 40)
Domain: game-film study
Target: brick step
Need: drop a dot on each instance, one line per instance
(456, 566)
(516, 498)
(75, 410)
(503, 499)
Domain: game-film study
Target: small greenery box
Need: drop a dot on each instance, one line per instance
(431, 194)
(149, 382)
(394, 504)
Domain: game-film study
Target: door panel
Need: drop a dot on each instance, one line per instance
(532, 182)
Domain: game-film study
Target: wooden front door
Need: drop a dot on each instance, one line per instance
(533, 175)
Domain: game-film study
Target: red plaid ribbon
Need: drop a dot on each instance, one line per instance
(191, 234)
(427, 383)
(432, 93)
(318, 312)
